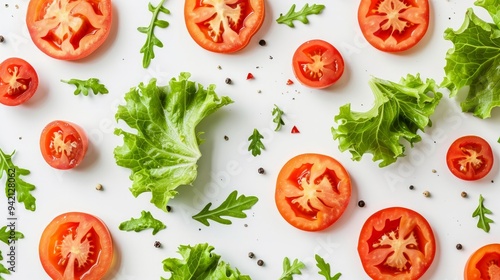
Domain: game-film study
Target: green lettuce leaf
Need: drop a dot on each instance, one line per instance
(493, 8)
(400, 110)
(163, 150)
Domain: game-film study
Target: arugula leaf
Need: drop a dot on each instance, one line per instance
(144, 222)
(233, 206)
(481, 212)
(399, 111)
(278, 120)
(163, 151)
(324, 268)
(291, 269)
(256, 144)
(5, 235)
(3, 269)
(473, 61)
(151, 39)
(22, 188)
(83, 86)
(199, 262)
(301, 15)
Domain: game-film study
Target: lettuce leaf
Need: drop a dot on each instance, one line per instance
(400, 110)
(163, 150)
(474, 61)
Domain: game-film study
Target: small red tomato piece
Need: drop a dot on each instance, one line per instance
(18, 81)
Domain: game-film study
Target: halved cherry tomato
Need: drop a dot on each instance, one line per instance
(470, 158)
(76, 245)
(317, 64)
(63, 144)
(312, 191)
(18, 81)
(484, 263)
(67, 29)
(393, 25)
(396, 244)
(223, 26)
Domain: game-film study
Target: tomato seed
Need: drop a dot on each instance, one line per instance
(260, 262)
(463, 194)
(251, 255)
(157, 244)
(459, 246)
(261, 170)
(361, 203)
(262, 42)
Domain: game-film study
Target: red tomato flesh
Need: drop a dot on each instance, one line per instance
(470, 158)
(18, 81)
(484, 263)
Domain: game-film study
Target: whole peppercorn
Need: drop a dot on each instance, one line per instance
(411, 187)
(98, 187)
(157, 244)
(260, 262)
(226, 137)
(426, 193)
(361, 203)
(251, 255)
(169, 208)
(2, 39)
(228, 81)
(459, 246)
(463, 194)
(262, 42)
(261, 170)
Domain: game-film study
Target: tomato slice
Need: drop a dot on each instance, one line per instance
(312, 191)
(317, 64)
(69, 29)
(395, 244)
(18, 81)
(76, 245)
(393, 25)
(470, 158)
(484, 263)
(63, 144)
(223, 26)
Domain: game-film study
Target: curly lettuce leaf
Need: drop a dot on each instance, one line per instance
(400, 110)
(163, 151)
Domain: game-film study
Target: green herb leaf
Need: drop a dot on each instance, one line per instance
(200, 262)
(278, 117)
(3, 269)
(151, 40)
(301, 15)
(22, 188)
(324, 268)
(400, 110)
(5, 235)
(233, 206)
(144, 222)
(291, 269)
(492, 7)
(481, 212)
(256, 144)
(84, 86)
(163, 150)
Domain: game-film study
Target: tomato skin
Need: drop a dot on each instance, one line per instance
(483, 261)
(63, 144)
(317, 64)
(63, 234)
(401, 227)
(399, 33)
(69, 30)
(312, 191)
(247, 18)
(18, 72)
(470, 158)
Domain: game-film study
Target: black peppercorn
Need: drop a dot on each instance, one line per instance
(226, 137)
(459, 246)
(261, 170)
(361, 203)
(251, 255)
(260, 262)
(228, 81)
(411, 187)
(463, 194)
(2, 39)
(157, 244)
(169, 208)
(262, 42)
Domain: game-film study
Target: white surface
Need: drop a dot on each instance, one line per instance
(226, 165)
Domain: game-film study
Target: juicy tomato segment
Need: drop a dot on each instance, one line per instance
(484, 263)
(18, 81)
(76, 246)
(470, 157)
(396, 243)
(312, 191)
(68, 29)
(223, 26)
(63, 144)
(393, 25)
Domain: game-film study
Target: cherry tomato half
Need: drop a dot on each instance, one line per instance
(18, 81)
(396, 244)
(76, 245)
(223, 26)
(470, 158)
(69, 30)
(317, 64)
(63, 144)
(312, 191)
(393, 25)
(484, 263)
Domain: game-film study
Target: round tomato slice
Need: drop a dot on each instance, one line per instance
(312, 191)
(223, 26)
(470, 158)
(76, 245)
(396, 244)
(484, 263)
(18, 81)
(317, 64)
(68, 29)
(63, 144)
(393, 25)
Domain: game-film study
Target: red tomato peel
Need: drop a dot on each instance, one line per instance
(470, 158)
(18, 81)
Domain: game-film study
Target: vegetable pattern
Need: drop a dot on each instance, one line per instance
(481, 212)
(84, 86)
(151, 40)
(301, 15)
(146, 221)
(23, 188)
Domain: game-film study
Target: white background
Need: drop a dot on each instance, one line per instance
(227, 165)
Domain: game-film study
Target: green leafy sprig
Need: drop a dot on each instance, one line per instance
(146, 221)
(481, 212)
(256, 145)
(151, 39)
(278, 117)
(22, 188)
(84, 86)
(290, 269)
(324, 268)
(301, 15)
